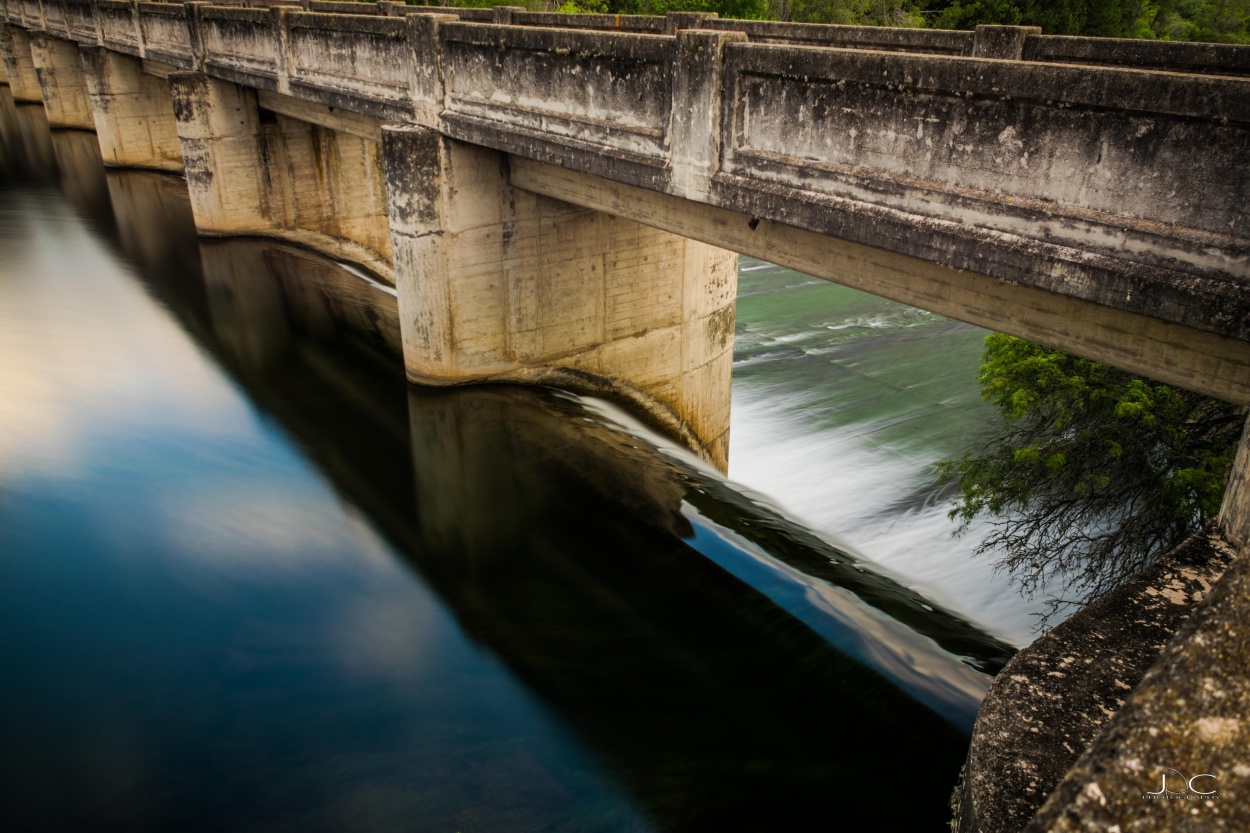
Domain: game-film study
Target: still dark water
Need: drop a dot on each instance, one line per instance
(252, 580)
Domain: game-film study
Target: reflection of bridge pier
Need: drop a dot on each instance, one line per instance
(26, 136)
(81, 173)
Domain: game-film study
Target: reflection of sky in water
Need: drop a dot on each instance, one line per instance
(192, 599)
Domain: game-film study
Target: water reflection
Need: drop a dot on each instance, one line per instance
(301, 593)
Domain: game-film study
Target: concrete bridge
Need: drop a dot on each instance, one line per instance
(561, 199)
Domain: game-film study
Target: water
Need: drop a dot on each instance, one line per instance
(843, 402)
(252, 580)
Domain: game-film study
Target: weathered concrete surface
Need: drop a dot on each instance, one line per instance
(1235, 513)
(1107, 184)
(165, 30)
(62, 82)
(18, 65)
(254, 171)
(1189, 716)
(881, 38)
(1169, 56)
(1054, 696)
(499, 283)
(1004, 168)
(131, 110)
(1178, 355)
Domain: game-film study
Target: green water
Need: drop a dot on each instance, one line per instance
(843, 402)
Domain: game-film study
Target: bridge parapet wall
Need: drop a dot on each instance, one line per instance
(54, 20)
(636, 24)
(165, 30)
(32, 12)
(81, 18)
(242, 45)
(883, 38)
(71, 17)
(363, 64)
(1169, 56)
(1114, 180)
(598, 101)
(119, 26)
(345, 8)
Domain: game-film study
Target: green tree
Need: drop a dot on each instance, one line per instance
(1091, 473)
(1225, 21)
(856, 12)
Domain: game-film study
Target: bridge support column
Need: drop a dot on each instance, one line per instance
(62, 82)
(1235, 513)
(497, 283)
(18, 65)
(131, 110)
(251, 170)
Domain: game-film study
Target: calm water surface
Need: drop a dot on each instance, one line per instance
(252, 580)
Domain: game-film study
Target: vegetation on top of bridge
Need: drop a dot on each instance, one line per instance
(1215, 21)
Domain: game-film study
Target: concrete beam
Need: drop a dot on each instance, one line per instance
(1178, 355)
(331, 118)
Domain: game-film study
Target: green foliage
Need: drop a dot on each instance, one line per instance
(857, 12)
(584, 7)
(1092, 472)
(1199, 20)
(746, 9)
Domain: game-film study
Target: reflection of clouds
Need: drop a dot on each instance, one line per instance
(261, 521)
(376, 624)
(914, 662)
(86, 355)
(389, 635)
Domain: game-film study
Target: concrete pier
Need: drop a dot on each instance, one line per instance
(289, 178)
(62, 82)
(500, 283)
(131, 109)
(19, 67)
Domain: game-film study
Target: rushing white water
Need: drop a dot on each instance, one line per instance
(842, 405)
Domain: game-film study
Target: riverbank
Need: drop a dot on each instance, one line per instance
(1051, 722)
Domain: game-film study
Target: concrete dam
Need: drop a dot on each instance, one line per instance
(561, 199)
